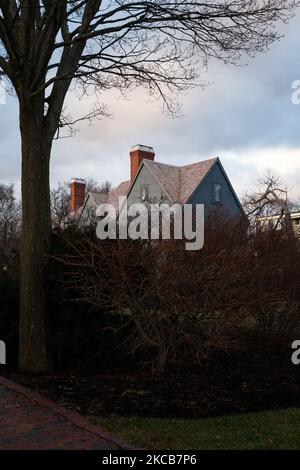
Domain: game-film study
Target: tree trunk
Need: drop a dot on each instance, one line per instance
(36, 231)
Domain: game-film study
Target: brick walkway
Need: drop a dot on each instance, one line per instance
(29, 421)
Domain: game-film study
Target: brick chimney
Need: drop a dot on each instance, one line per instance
(77, 193)
(138, 153)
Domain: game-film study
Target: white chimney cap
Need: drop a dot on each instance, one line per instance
(143, 148)
(78, 180)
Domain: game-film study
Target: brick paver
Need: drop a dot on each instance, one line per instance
(29, 421)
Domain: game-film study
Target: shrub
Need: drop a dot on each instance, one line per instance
(9, 307)
(181, 305)
(116, 303)
(82, 335)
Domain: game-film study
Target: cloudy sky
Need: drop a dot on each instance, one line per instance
(246, 117)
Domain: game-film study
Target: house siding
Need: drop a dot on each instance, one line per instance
(203, 194)
(155, 192)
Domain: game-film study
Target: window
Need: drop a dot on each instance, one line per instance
(295, 221)
(216, 192)
(144, 190)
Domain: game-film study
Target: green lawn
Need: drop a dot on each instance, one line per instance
(269, 430)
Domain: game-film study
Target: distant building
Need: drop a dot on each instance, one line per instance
(277, 221)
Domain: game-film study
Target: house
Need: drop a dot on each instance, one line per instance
(277, 221)
(205, 182)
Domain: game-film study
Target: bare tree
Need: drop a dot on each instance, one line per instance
(157, 44)
(178, 306)
(61, 215)
(94, 186)
(10, 221)
(60, 206)
(270, 199)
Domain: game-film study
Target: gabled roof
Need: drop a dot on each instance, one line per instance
(97, 197)
(193, 175)
(168, 176)
(115, 193)
(179, 182)
(112, 197)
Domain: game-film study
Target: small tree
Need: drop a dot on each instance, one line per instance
(60, 207)
(61, 215)
(10, 224)
(270, 199)
(93, 186)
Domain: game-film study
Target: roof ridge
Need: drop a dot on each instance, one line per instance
(197, 163)
(153, 162)
(160, 163)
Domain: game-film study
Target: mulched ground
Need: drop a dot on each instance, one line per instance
(226, 385)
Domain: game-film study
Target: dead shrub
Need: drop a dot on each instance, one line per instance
(182, 305)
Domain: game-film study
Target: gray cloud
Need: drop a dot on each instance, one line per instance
(246, 116)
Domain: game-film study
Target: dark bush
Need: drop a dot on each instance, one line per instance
(9, 313)
(114, 304)
(83, 335)
(242, 288)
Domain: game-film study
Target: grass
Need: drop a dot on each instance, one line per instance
(268, 430)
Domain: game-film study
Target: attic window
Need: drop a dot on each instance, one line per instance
(216, 193)
(144, 192)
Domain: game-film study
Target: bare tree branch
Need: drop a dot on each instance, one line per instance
(270, 199)
(162, 45)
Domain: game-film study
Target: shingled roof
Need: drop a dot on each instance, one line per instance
(179, 182)
(121, 190)
(113, 196)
